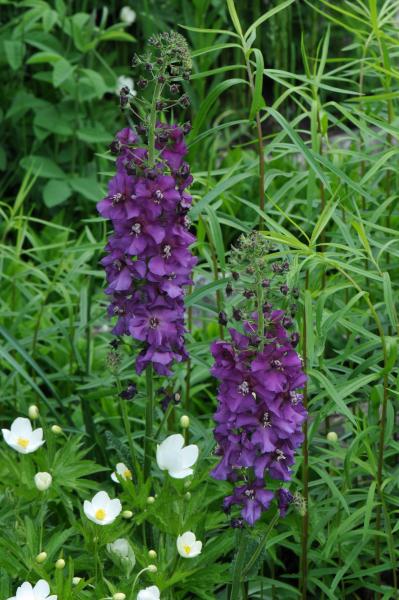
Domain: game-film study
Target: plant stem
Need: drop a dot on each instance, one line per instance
(126, 424)
(149, 418)
(238, 567)
(305, 468)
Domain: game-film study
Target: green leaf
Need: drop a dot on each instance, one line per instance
(217, 191)
(257, 99)
(389, 300)
(43, 57)
(62, 71)
(234, 16)
(87, 187)
(94, 135)
(15, 53)
(55, 192)
(42, 167)
(266, 16)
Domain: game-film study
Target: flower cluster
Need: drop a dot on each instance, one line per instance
(260, 411)
(148, 260)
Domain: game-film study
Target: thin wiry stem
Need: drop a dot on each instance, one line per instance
(305, 467)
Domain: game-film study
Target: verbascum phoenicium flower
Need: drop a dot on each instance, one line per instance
(41, 591)
(22, 438)
(260, 413)
(149, 263)
(176, 459)
(102, 510)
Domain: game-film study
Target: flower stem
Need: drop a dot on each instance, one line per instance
(305, 468)
(149, 418)
(126, 424)
(236, 591)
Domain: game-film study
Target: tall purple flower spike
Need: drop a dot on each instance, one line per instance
(260, 413)
(148, 261)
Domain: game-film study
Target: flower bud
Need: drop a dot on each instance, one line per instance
(122, 555)
(119, 596)
(332, 436)
(60, 564)
(33, 412)
(150, 500)
(185, 422)
(152, 554)
(127, 514)
(56, 429)
(76, 580)
(152, 568)
(43, 481)
(187, 496)
(41, 557)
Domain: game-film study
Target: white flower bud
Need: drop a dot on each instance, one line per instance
(56, 429)
(43, 480)
(187, 496)
(127, 15)
(152, 568)
(185, 422)
(332, 436)
(119, 596)
(150, 500)
(33, 412)
(122, 554)
(60, 564)
(41, 557)
(76, 580)
(152, 554)
(127, 514)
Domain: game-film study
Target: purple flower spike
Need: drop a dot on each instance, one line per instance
(148, 261)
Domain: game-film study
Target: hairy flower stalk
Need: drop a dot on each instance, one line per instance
(149, 262)
(260, 414)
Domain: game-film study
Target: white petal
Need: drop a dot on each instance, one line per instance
(25, 592)
(100, 500)
(188, 538)
(121, 468)
(189, 455)
(36, 436)
(88, 509)
(22, 427)
(33, 447)
(6, 434)
(114, 478)
(180, 474)
(41, 590)
(52, 597)
(114, 508)
(196, 549)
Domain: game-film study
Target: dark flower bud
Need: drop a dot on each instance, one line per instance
(284, 289)
(266, 283)
(123, 101)
(237, 523)
(287, 322)
(186, 127)
(229, 289)
(286, 266)
(237, 315)
(185, 100)
(141, 129)
(295, 292)
(267, 307)
(129, 392)
(124, 91)
(159, 61)
(160, 105)
(235, 275)
(149, 66)
(248, 294)
(294, 338)
(250, 270)
(115, 147)
(186, 75)
(161, 79)
(142, 83)
(222, 318)
(184, 170)
(115, 344)
(293, 309)
(174, 88)
(276, 267)
(135, 60)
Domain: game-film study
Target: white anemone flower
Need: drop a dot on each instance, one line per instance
(122, 82)
(102, 510)
(123, 471)
(21, 437)
(149, 593)
(188, 546)
(174, 458)
(41, 591)
(127, 15)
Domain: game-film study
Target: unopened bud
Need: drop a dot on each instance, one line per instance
(152, 554)
(60, 564)
(150, 500)
(152, 568)
(56, 429)
(332, 436)
(33, 412)
(187, 496)
(185, 422)
(76, 580)
(43, 481)
(119, 596)
(127, 514)
(41, 557)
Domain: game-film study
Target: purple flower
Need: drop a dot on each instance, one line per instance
(253, 498)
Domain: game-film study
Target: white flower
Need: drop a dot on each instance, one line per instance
(149, 593)
(22, 438)
(188, 546)
(102, 510)
(43, 481)
(41, 591)
(172, 457)
(123, 81)
(127, 15)
(123, 472)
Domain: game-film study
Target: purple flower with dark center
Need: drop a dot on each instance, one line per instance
(284, 499)
(253, 498)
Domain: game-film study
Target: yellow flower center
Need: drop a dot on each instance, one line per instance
(127, 474)
(187, 549)
(100, 514)
(23, 442)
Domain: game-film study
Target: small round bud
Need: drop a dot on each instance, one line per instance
(235, 275)
(229, 289)
(41, 557)
(56, 429)
(76, 580)
(119, 596)
(43, 481)
(266, 283)
(152, 568)
(60, 564)
(33, 412)
(150, 500)
(222, 318)
(237, 314)
(152, 554)
(332, 436)
(187, 483)
(185, 422)
(187, 496)
(127, 514)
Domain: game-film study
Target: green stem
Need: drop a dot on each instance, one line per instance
(236, 591)
(149, 418)
(126, 424)
(261, 544)
(305, 469)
